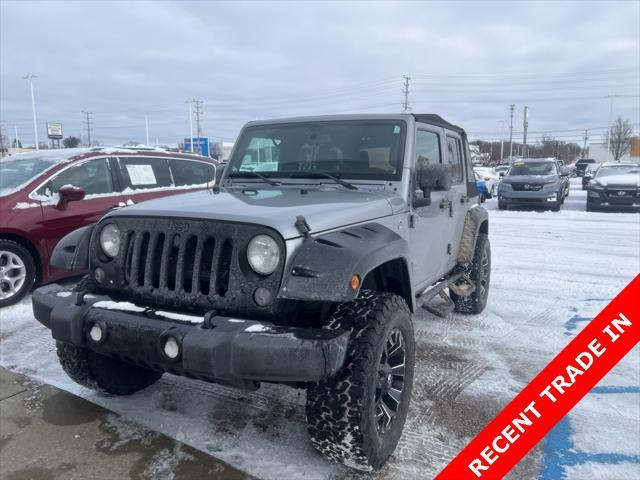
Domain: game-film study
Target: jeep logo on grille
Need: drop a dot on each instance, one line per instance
(621, 193)
(178, 226)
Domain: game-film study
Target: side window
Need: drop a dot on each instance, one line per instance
(140, 173)
(93, 176)
(186, 172)
(427, 148)
(454, 157)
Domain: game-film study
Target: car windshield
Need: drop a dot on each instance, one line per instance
(609, 170)
(368, 150)
(533, 168)
(16, 172)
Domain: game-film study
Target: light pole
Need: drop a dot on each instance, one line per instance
(33, 107)
(146, 124)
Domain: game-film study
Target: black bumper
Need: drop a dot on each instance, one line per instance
(220, 349)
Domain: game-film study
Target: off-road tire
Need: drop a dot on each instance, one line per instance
(480, 276)
(98, 372)
(102, 373)
(30, 271)
(341, 410)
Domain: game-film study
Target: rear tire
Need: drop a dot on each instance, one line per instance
(102, 373)
(480, 276)
(357, 416)
(17, 272)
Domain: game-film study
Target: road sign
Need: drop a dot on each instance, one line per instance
(200, 146)
(54, 130)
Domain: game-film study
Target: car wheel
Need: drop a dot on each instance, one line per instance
(17, 272)
(480, 276)
(102, 373)
(356, 417)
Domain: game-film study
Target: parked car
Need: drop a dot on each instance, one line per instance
(534, 183)
(589, 173)
(46, 194)
(491, 179)
(501, 170)
(482, 187)
(565, 174)
(615, 186)
(305, 275)
(581, 165)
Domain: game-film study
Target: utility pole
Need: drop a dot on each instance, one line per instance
(511, 110)
(146, 124)
(15, 130)
(190, 123)
(525, 125)
(197, 104)
(610, 97)
(584, 148)
(33, 108)
(405, 91)
(87, 120)
(502, 122)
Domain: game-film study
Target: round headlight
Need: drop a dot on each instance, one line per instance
(263, 254)
(110, 239)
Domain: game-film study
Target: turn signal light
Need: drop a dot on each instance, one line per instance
(355, 282)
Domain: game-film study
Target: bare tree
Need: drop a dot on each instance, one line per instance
(621, 133)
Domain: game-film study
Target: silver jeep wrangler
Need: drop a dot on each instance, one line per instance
(302, 267)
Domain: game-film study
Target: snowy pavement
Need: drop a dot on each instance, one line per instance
(552, 272)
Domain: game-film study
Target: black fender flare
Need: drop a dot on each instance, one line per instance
(323, 266)
(72, 251)
(476, 220)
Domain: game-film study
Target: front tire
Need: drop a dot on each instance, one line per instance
(357, 416)
(480, 276)
(17, 272)
(102, 373)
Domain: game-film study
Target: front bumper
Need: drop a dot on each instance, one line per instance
(212, 348)
(534, 198)
(611, 203)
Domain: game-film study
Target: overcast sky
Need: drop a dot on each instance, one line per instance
(467, 62)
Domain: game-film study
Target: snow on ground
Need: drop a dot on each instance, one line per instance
(551, 273)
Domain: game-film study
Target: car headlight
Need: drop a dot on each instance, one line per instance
(504, 186)
(595, 186)
(110, 239)
(263, 254)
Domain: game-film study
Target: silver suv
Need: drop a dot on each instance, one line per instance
(301, 267)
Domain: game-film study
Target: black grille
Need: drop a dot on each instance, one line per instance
(192, 264)
(526, 187)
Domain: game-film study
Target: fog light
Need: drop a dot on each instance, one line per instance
(171, 348)
(99, 275)
(96, 333)
(262, 296)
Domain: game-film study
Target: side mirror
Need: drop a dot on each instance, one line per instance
(68, 194)
(421, 198)
(220, 168)
(501, 174)
(587, 176)
(434, 177)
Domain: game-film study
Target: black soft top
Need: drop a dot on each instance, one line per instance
(433, 119)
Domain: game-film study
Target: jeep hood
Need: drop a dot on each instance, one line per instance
(324, 208)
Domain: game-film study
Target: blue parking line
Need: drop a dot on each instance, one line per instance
(559, 451)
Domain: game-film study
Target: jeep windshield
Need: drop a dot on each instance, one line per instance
(532, 168)
(360, 150)
(609, 170)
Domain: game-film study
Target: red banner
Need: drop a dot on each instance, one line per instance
(553, 392)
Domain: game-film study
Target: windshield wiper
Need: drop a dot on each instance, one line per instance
(257, 175)
(316, 174)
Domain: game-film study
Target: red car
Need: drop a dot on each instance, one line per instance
(46, 194)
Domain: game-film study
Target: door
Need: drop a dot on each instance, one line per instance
(101, 195)
(143, 178)
(430, 223)
(457, 195)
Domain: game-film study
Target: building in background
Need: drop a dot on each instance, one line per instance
(598, 151)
